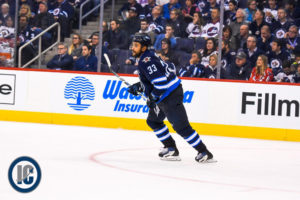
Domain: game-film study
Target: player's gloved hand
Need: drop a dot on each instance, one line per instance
(135, 89)
(151, 102)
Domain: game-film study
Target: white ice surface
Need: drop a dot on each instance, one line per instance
(82, 163)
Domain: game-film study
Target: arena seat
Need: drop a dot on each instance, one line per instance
(184, 44)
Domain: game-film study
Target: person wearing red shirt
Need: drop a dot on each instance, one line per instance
(261, 72)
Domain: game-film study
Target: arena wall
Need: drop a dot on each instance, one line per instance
(221, 108)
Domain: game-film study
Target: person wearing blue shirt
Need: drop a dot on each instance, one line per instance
(170, 6)
(159, 83)
(86, 62)
(169, 35)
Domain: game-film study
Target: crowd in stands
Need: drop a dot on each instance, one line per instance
(33, 17)
(260, 40)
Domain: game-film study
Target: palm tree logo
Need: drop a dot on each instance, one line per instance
(79, 89)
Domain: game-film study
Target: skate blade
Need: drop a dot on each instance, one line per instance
(171, 158)
(208, 161)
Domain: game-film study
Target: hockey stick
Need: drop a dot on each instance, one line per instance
(156, 109)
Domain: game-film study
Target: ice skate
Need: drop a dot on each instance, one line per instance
(169, 154)
(205, 157)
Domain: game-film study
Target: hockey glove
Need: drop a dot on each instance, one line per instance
(135, 89)
(151, 102)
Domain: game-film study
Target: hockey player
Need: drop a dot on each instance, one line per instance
(163, 89)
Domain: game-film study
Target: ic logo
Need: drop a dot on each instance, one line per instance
(24, 174)
(79, 88)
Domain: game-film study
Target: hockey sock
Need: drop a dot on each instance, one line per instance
(164, 136)
(195, 141)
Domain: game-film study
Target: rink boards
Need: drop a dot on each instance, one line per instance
(223, 108)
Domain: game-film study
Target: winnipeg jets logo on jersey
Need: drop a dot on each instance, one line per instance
(146, 59)
(201, 5)
(56, 11)
(280, 33)
(275, 63)
(212, 31)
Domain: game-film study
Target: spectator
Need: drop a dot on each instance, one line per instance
(292, 40)
(252, 51)
(132, 23)
(293, 11)
(282, 25)
(7, 37)
(286, 74)
(277, 56)
(230, 15)
(204, 8)
(61, 61)
(261, 72)
(168, 52)
(76, 46)
(117, 38)
(148, 9)
(227, 56)
(42, 21)
(12, 6)
(177, 23)
(258, 23)
(63, 12)
(211, 29)
(240, 20)
(86, 62)
(169, 35)
(240, 69)
(270, 11)
(250, 10)
(25, 34)
(156, 21)
(189, 10)
(95, 48)
(240, 41)
(170, 6)
(194, 28)
(227, 35)
(126, 7)
(210, 49)
(7, 30)
(297, 75)
(4, 14)
(214, 5)
(264, 42)
(145, 28)
(26, 11)
(211, 70)
(195, 68)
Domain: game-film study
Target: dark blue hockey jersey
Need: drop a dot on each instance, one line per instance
(158, 78)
